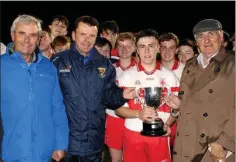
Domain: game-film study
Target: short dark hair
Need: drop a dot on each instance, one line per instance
(226, 36)
(89, 20)
(190, 43)
(47, 30)
(146, 33)
(110, 25)
(60, 40)
(60, 18)
(100, 42)
(169, 36)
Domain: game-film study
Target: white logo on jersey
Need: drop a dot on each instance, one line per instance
(149, 78)
(162, 82)
(137, 82)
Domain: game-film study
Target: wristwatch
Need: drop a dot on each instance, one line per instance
(175, 113)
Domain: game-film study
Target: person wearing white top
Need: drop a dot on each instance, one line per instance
(114, 134)
(147, 73)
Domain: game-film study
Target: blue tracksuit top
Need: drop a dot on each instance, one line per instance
(33, 113)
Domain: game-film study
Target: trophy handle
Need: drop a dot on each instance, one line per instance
(168, 90)
(171, 110)
(168, 93)
(137, 89)
(137, 92)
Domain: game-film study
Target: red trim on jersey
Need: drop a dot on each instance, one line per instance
(132, 63)
(176, 65)
(173, 89)
(114, 52)
(141, 68)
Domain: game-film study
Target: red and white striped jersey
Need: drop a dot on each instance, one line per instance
(119, 72)
(178, 68)
(138, 77)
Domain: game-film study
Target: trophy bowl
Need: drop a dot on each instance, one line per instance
(152, 99)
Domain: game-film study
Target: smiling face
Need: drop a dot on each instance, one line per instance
(147, 48)
(84, 37)
(125, 48)
(104, 50)
(168, 50)
(209, 42)
(45, 41)
(60, 47)
(185, 53)
(58, 28)
(111, 36)
(25, 38)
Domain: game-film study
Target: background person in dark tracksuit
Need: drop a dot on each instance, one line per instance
(88, 82)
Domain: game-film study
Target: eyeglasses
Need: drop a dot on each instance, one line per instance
(211, 35)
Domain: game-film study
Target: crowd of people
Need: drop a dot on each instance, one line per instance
(64, 98)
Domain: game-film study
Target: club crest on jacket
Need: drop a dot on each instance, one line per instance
(101, 72)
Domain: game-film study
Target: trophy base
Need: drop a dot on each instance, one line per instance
(153, 129)
(153, 133)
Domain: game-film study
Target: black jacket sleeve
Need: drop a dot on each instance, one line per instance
(112, 96)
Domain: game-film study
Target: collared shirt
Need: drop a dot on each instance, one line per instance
(201, 61)
(87, 58)
(11, 50)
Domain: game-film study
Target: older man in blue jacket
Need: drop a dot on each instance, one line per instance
(33, 113)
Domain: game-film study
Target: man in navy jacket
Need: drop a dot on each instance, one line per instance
(88, 83)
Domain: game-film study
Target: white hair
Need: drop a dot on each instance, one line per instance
(27, 19)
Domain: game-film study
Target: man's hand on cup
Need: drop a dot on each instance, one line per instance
(167, 129)
(129, 93)
(147, 114)
(173, 101)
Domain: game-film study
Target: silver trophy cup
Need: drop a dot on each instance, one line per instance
(152, 99)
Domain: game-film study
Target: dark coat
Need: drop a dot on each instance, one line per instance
(207, 110)
(86, 89)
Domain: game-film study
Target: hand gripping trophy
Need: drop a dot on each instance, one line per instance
(152, 99)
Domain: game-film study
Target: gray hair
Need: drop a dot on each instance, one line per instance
(27, 19)
(220, 32)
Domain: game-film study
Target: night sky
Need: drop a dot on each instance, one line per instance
(169, 16)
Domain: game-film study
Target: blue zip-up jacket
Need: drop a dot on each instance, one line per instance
(87, 87)
(33, 113)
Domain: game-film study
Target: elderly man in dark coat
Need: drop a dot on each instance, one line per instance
(206, 101)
